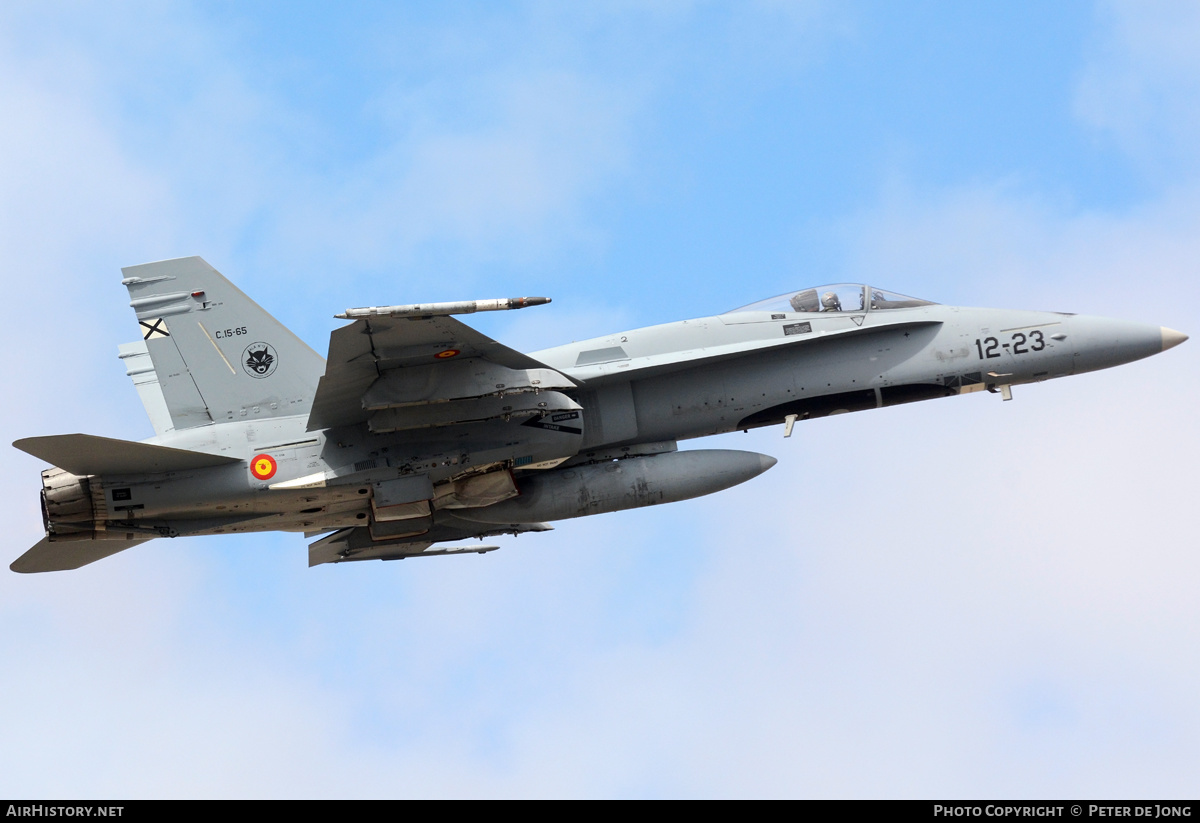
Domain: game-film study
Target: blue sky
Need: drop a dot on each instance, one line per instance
(951, 599)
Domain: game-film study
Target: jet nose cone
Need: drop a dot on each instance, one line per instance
(765, 461)
(1171, 338)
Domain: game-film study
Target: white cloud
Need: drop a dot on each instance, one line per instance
(1141, 85)
(994, 245)
(506, 189)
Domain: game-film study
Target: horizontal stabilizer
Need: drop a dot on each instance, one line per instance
(59, 557)
(87, 454)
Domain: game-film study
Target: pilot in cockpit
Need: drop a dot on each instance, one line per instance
(830, 302)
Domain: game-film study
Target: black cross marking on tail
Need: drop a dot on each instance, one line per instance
(152, 329)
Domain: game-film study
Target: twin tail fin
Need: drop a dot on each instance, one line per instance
(218, 356)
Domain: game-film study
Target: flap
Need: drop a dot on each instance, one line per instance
(474, 410)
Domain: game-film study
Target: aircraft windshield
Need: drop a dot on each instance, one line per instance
(841, 297)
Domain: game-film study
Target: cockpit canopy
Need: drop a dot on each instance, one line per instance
(840, 297)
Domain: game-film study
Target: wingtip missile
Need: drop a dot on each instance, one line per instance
(432, 309)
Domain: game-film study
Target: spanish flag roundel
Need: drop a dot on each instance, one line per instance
(263, 466)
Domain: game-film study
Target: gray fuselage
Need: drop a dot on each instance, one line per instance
(655, 385)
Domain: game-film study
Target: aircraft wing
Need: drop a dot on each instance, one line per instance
(390, 371)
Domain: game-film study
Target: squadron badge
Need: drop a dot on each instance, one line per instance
(260, 360)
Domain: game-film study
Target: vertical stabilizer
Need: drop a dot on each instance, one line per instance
(216, 354)
(140, 369)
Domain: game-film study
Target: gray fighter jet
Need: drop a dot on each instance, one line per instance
(419, 431)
